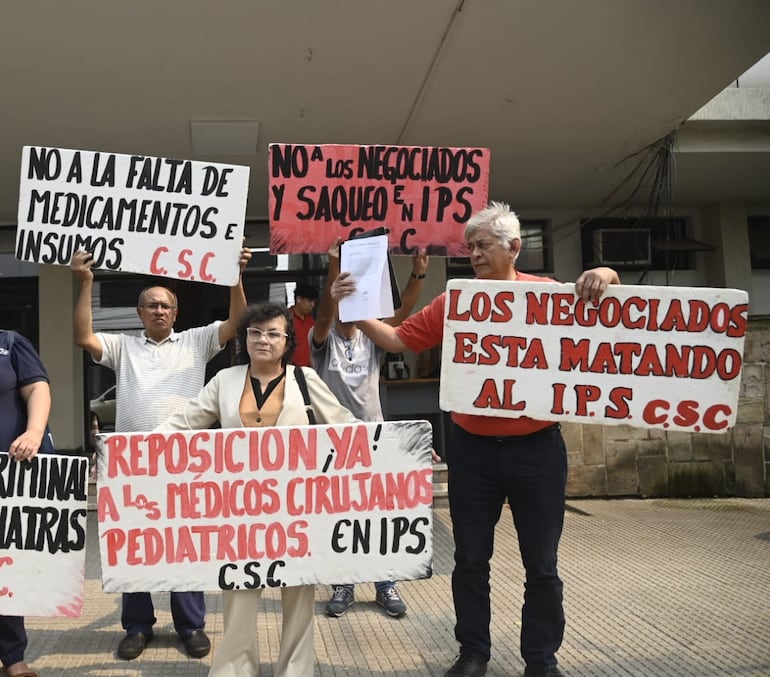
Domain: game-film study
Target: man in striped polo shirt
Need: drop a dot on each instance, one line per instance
(157, 372)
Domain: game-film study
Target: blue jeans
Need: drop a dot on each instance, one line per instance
(531, 472)
(380, 586)
(188, 610)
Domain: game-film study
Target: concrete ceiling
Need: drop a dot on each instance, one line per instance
(560, 91)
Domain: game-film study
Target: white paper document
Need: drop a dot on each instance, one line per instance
(366, 259)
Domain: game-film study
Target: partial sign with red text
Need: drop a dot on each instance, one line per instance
(43, 511)
(423, 195)
(652, 357)
(156, 216)
(265, 507)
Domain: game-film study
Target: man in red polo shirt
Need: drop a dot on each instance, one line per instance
(305, 296)
(492, 459)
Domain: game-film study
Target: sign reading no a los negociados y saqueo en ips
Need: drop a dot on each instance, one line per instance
(421, 194)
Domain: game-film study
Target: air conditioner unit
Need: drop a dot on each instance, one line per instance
(622, 246)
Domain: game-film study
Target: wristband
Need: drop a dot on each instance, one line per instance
(418, 277)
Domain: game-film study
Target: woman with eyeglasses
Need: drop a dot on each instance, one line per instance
(263, 392)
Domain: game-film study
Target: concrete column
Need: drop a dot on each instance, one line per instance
(726, 226)
(63, 360)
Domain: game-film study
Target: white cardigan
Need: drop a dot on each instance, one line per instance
(220, 398)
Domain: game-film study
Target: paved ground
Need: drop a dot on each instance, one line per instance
(656, 587)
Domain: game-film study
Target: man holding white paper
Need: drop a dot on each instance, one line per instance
(350, 363)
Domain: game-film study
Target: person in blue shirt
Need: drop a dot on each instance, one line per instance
(25, 404)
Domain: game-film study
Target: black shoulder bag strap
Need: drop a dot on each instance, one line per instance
(302, 383)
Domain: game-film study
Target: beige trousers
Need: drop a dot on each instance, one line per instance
(238, 653)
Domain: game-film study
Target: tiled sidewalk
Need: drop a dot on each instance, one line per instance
(656, 587)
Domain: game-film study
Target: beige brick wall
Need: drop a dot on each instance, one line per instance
(626, 461)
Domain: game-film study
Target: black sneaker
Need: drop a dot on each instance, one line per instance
(340, 601)
(534, 670)
(132, 645)
(467, 665)
(197, 644)
(391, 601)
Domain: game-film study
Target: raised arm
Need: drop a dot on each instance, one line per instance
(229, 327)
(594, 282)
(411, 292)
(384, 335)
(327, 305)
(83, 326)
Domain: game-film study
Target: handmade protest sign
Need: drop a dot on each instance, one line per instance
(156, 216)
(652, 357)
(423, 195)
(265, 507)
(43, 510)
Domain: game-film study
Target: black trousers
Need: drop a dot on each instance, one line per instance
(188, 610)
(13, 639)
(531, 472)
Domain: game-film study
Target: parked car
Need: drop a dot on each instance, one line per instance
(103, 410)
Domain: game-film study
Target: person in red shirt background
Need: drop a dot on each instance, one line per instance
(493, 459)
(305, 297)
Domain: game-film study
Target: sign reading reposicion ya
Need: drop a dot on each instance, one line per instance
(247, 508)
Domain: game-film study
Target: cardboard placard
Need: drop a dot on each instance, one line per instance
(423, 195)
(265, 507)
(652, 357)
(156, 216)
(43, 511)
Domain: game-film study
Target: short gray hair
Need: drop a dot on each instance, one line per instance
(500, 219)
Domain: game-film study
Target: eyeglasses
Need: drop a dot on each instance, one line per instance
(157, 306)
(271, 336)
